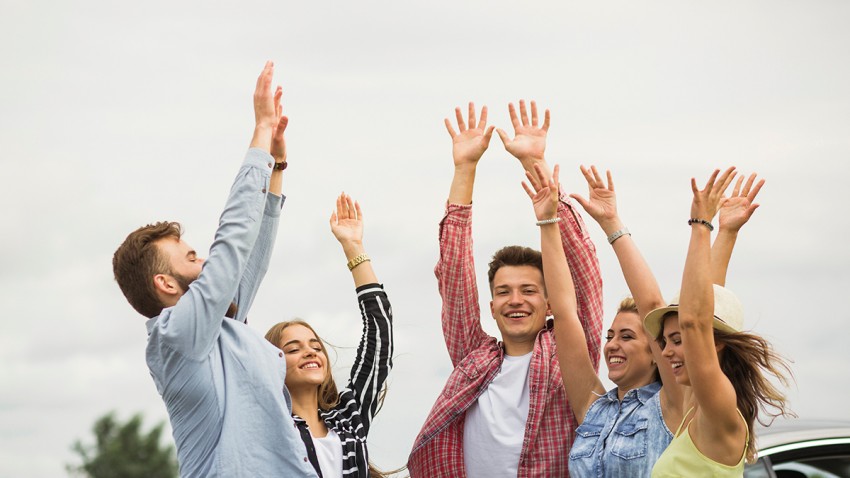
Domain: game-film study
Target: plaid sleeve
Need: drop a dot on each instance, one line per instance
(455, 271)
(584, 267)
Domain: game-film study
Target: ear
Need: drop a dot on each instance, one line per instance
(492, 310)
(719, 347)
(166, 285)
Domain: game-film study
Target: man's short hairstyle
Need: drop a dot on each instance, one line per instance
(138, 259)
(514, 256)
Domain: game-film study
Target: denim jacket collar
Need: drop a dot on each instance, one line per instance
(643, 393)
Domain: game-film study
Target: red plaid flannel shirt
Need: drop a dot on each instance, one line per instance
(477, 357)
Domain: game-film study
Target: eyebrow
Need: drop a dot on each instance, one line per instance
(298, 342)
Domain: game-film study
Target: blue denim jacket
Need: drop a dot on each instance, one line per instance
(620, 439)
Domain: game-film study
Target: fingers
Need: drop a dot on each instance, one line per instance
(597, 179)
(514, 118)
(278, 109)
(503, 136)
(459, 116)
(488, 134)
(585, 204)
(711, 180)
(533, 113)
(528, 189)
(357, 211)
(554, 183)
(265, 79)
(610, 180)
(471, 116)
(523, 113)
(725, 180)
(546, 121)
(482, 122)
(694, 187)
(754, 192)
(587, 177)
(534, 179)
(737, 187)
(449, 128)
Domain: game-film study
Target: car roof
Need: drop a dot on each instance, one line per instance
(786, 431)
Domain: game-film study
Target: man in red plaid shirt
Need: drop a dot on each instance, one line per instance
(503, 411)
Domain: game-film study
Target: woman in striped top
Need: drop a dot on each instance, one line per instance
(334, 424)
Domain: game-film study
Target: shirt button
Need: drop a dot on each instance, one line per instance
(305, 459)
(270, 164)
(280, 354)
(264, 190)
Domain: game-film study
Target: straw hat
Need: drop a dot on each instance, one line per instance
(728, 313)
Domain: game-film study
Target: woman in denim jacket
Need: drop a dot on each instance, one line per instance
(624, 431)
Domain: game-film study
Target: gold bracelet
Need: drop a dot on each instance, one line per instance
(357, 261)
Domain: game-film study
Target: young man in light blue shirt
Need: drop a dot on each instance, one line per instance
(222, 382)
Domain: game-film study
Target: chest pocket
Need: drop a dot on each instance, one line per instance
(587, 435)
(629, 439)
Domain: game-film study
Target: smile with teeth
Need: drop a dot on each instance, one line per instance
(676, 364)
(310, 365)
(616, 360)
(517, 315)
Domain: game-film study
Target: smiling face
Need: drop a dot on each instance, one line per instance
(519, 306)
(627, 353)
(672, 347)
(306, 358)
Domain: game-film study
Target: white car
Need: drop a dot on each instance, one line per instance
(802, 449)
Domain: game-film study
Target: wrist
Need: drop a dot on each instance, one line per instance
(611, 226)
(352, 249)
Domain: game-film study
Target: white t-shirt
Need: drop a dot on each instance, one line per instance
(329, 453)
(495, 423)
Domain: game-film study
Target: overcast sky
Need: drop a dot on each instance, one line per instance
(116, 114)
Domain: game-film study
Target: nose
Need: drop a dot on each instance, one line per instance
(516, 297)
(667, 351)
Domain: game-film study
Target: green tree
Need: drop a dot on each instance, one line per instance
(122, 450)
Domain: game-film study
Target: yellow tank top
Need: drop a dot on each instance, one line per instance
(683, 459)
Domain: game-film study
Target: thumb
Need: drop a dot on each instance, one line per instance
(584, 204)
(503, 136)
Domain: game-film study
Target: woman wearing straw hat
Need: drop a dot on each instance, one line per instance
(624, 431)
(334, 425)
(722, 367)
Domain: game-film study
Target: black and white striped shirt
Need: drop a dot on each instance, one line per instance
(358, 402)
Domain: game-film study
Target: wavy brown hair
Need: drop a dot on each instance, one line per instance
(744, 359)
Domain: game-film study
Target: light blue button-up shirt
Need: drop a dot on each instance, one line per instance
(221, 381)
(621, 439)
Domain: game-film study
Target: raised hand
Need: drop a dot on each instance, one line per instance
(347, 222)
(529, 142)
(266, 111)
(471, 139)
(737, 209)
(601, 202)
(543, 194)
(278, 146)
(707, 201)
(264, 102)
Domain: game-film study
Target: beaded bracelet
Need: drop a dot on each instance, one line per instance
(701, 221)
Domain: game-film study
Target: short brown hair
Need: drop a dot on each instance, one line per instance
(514, 256)
(137, 260)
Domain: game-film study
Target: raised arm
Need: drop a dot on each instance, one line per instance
(601, 205)
(373, 361)
(455, 270)
(258, 262)
(580, 379)
(717, 416)
(529, 142)
(735, 211)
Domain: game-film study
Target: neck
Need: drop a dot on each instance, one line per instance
(516, 349)
(305, 404)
